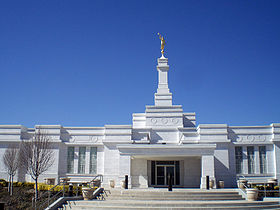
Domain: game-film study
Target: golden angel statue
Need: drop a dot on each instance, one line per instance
(162, 43)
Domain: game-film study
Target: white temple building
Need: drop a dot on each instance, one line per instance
(163, 140)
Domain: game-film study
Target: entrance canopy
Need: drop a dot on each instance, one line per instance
(165, 150)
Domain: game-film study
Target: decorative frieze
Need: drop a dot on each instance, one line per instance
(252, 138)
(165, 121)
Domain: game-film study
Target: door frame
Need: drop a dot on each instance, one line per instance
(165, 174)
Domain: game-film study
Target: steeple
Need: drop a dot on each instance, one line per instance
(163, 97)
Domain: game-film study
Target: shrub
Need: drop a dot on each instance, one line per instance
(18, 184)
(28, 184)
(46, 187)
(3, 183)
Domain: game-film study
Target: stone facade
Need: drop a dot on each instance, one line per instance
(162, 141)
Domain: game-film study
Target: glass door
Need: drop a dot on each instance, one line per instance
(160, 170)
(162, 174)
(160, 180)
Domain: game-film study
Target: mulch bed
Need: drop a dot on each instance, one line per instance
(21, 198)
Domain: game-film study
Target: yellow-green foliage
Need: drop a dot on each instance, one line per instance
(3, 184)
(29, 184)
(46, 187)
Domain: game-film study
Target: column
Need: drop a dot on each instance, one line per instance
(245, 160)
(207, 169)
(87, 160)
(277, 160)
(76, 159)
(257, 160)
(124, 169)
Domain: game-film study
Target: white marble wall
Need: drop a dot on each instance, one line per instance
(139, 173)
(191, 172)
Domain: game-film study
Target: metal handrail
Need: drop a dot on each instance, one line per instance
(49, 195)
(245, 186)
(98, 175)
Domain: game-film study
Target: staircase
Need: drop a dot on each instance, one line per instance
(177, 199)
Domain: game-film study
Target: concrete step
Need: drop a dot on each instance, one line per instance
(163, 203)
(236, 197)
(172, 208)
(174, 195)
(178, 199)
(191, 205)
(174, 192)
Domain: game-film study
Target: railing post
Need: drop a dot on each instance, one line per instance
(63, 188)
(70, 193)
(207, 182)
(264, 185)
(49, 192)
(126, 182)
(169, 182)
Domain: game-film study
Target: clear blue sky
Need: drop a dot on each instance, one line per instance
(90, 63)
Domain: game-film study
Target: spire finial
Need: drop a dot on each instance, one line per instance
(162, 44)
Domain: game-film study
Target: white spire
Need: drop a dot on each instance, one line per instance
(163, 97)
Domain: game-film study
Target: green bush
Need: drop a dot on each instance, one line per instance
(18, 184)
(46, 187)
(3, 183)
(28, 184)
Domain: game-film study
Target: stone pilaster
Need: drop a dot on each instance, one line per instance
(207, 169)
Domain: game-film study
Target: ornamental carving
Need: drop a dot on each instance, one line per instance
(154, 121)
(93, 139)
(252, 138)
(175, 121)
(164, 120)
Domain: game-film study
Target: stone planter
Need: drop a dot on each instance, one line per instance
(112, 183)
(123, 184)
(242, 183)
(211, 184)
(221, 184)
(272, 181)
(87, 193)
(252, 194)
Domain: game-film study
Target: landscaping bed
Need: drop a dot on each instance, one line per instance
(21, 198)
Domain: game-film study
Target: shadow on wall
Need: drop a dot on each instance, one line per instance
(155, 137)
(222, 173)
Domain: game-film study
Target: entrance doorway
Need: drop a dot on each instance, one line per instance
(161, 170)
(162, 174)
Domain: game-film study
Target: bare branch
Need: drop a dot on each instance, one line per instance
(37, 155)
(10, 159)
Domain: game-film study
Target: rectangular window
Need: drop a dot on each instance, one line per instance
(93, 158)
(70, 160)
(82, 160)
(238, 160)
(262, 155)
(251, 159)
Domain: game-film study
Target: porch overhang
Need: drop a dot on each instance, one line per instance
(166, 150)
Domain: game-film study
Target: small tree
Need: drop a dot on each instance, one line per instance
(11, 162)
(37, 156)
